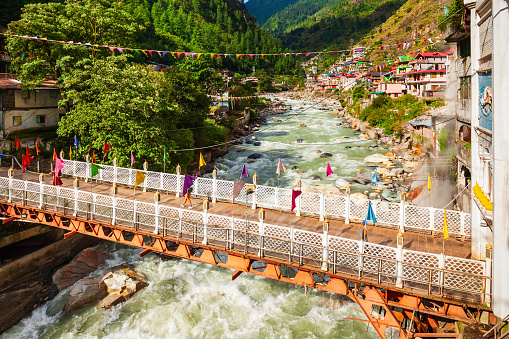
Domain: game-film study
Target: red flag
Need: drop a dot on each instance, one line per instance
(37, 148)
(93, 158)
(25, 161)
(54, 154)
(28, 151)
(106, 148)
(38, 142)
(16, 143)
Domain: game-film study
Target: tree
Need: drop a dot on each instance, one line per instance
(97, 22)
(131, 107)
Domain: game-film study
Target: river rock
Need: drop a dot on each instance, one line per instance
(295, 168)
(121, 282)
(315, 177)
(82, 265)
(240, 150)
(257, 143)
(84, 292)
(341, 184)
(376, 158)
(362, 178)
(255, 156)
(326, 155)
(254, 138)
(300, 140)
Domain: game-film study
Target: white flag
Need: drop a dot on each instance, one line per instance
(280, 168)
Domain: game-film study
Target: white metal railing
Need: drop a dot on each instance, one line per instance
(435, 273)
(334, 206)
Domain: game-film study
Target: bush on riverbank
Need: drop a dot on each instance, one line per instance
(391, 114)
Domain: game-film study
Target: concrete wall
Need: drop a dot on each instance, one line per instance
(29, 118)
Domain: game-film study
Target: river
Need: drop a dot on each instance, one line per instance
(186, 299)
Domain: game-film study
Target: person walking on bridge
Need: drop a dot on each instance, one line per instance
(186, 193)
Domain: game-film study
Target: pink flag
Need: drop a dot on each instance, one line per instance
(329, 171)
(295, 194)
(59, 165)
(280, 168)
(132, 159)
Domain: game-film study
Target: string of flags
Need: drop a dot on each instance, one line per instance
(223, 98)
(178, 54)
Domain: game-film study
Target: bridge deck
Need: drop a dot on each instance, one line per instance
(376, 234)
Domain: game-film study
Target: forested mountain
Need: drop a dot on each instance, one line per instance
(264, 9)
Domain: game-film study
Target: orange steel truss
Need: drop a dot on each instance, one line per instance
(383, 306)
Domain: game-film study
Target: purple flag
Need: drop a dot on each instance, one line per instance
(237, 188)
(295, 195)
(329, 171)
(188, 182)
(244, 172)
(132, 159)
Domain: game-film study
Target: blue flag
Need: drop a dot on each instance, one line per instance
(370, 216)
(374, 179)
(75, 141)
(2, 155)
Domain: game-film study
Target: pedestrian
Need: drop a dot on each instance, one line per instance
(187, 197)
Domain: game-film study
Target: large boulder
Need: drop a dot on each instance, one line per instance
(87, 261)
(326, 155)
(121, 282)
(255, 156)
(376, 158)
(84, 292)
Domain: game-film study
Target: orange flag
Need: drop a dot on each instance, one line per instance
(16, 143)
(37, 148)
(54, 154)
(93, 158)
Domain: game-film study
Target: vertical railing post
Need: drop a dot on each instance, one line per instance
(325, 245)
(180, 223)
(292, 239)
(487, 273)
(347, 207)
(462, 225)
(157, 199)
(114, 191)
(145, 168)
(322, 206)
(255, 193)
(87, 165)
(11, 179)
(205, 221)
(261, 217)
(442, 273)
(76, 186)
(361, 256)
(94, 200)
(135, 215)
(402, 213)
(214, 186)
(115, 170)
(232, 237)
(41, 190)
(399, 258)
(178, 181)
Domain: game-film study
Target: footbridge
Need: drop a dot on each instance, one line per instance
(401, 278)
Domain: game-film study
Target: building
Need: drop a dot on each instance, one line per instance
(28, 109)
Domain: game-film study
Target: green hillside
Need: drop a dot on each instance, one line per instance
(264, 9)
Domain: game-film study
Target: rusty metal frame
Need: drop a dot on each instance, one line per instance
(363, 293)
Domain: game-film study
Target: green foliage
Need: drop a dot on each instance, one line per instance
(390, 114)
(454, 16)
(132, 108)
(216, 134)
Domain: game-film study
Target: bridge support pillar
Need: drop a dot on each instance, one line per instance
(399, 258)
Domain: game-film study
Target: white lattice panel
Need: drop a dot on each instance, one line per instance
(4, 182)
(417, 217)
(107, 174)
(284, 199)
(307, 237)
(413, 270)
(468, 224)
(217, 233)
(277, 231)
(240, 224)
(170, 212)
(170, 182)
(374, 253)
(312, 252)
(453, 221)
(219, 221)
(359, 209)
(68, 167)
(310, 203)
(123, 176)
(464, 265)
(343, 244)
(346, 257)
(458, 279)
(387, 212)
(192, 216)
(266, 197)
(203, 188)
(80, 169)
(276, 244)
(224, 190)
(152, 180)
(143, 207)
(66, 193)
(335, 205)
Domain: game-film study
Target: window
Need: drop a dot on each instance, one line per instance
(16, 120)
(53, 93)
(433, 75)
(40, 119)
(25, 94)
(464, 47)
(9, 92)
(465, 88)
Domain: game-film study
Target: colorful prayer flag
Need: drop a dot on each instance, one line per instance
(93, 158)
(329, 171)
(244, 172)
(106, 148)
(132, 159)
(370, 216)
(295, 195)
(445, 229)
(70, 152)
(59, 165)
(237, 188)
(16, 143)
(374, 179)
(188, 182)
(25, 161)
(94, 170)
(37, 148)
(28, 151)
(140, 178)
(429, 182)
(55, 156)
(202, 161)
(280, 168)
(76, 141)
